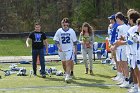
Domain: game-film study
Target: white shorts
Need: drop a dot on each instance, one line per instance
(133, 61)
(138, 64)
(121, 54)
(66, 55)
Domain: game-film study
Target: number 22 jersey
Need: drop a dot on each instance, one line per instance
(65, 38)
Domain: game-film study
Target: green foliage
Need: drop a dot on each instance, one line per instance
(85, 11)
(20, 15)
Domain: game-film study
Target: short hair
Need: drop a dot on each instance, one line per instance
(130, 10)
(65, 20)
(134, 15)
(37, 23)
(120, 16)
(138, 21)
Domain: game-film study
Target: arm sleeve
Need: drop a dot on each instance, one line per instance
(44, 36)
(92, 38)
(30, 35)
(80, 38)
(74, 37)
(113, 36)
(56, 36)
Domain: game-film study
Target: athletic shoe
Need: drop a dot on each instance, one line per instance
(131, 85)
(103, 61)
(121, 79)
(116, 78)
(112, 62)
(124, 85)
(34, 75)
(81, 62)
(43, 76)
(64, 75)
(67, 79)
(120, 82)
(114, 68)
(133, 90)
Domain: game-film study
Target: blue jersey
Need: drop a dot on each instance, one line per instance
(114, 33)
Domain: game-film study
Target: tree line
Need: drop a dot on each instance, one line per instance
(20, 15)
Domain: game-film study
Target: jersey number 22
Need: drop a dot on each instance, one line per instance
(65, 40)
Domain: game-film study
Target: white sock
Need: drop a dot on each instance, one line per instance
(136, 85)
(119, 73)
(138, 89)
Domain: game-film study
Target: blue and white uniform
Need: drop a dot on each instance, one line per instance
(121, 54)
(132, 47)
(66, 40)
(113, 33)
(138, 52)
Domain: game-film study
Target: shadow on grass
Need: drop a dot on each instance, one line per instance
(104, 76)
(54, 79)
(96, 83)
(90, 82)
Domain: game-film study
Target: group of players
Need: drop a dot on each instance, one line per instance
(125, 48)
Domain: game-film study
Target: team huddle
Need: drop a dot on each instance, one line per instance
(125, 42)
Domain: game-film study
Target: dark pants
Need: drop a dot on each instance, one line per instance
(40, 53)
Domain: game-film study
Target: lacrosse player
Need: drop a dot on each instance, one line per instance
(121, 50)
(133, 16)
(65, 39)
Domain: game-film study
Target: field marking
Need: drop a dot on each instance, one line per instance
(55, 87)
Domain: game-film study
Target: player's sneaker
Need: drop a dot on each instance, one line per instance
(120, 79)
(116, 78)
(124, 85)
(64, 75)
(133, 89)
(43, 76)
(112, 62)
(120, 82)
(67, 78)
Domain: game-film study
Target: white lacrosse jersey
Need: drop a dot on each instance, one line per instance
(122, 31)
(138, 47)
(133, 47)
(65, 38)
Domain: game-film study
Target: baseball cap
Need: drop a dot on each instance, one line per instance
(112, 16)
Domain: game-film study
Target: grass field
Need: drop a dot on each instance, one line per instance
(82, 83)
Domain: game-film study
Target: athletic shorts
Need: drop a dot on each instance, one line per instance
(133, 61)
(138, 64)
(121, 54)
(66, 55)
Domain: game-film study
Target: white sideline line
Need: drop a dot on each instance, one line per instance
(54, 87)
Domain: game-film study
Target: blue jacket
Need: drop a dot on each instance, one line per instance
(114, 33)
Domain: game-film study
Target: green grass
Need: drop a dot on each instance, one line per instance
(82, 83)
(17, 47)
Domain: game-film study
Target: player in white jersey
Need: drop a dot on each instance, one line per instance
(121, 50)
(133, 45)
(65, 39)
(136, 39)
